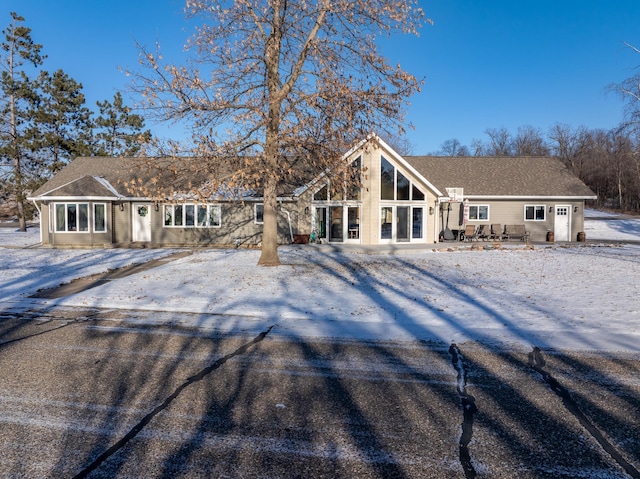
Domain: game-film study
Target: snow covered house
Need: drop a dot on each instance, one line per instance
(402, 199)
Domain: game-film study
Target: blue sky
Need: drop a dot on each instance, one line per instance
(486, 63)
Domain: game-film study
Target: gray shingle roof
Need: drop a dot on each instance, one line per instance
(501, 176)
(72, 180)
(119, 172)
(479, 176)
(177, 175)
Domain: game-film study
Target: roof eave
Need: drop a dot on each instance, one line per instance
(76, 198)
(527, 197)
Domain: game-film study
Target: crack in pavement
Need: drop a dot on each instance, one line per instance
(537, 362)
(39, 333)
(37, 315)
(147, 419)
(469, 408)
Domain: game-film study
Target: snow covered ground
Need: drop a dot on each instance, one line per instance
(565, 297)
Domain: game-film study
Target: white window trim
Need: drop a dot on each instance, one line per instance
(480, 206)
(66, 219)
(93, 220)
(195, 224)
(255, 213)
(412, 184)
(544, 210)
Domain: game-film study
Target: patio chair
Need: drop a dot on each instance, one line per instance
(496, 232)
(469, 233)
(481, 234)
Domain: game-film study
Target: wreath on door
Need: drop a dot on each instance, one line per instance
(143, 210)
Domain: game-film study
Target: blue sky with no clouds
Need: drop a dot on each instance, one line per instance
(486, 63)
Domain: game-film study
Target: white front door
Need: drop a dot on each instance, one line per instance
(141, 221)
(562, 223)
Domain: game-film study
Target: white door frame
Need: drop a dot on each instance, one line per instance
(141, 223)
(394, 223)
(562, 223)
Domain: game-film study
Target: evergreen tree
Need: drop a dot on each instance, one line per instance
(18, 51)
(119, 132)
(61, 128)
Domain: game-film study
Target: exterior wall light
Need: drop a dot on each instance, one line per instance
(575, 209)
(431, 210)
(121, 206)
(550, 209)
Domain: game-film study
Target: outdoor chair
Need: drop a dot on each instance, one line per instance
(481, 234)
(496, 232)
(469, 233)
(516, 232)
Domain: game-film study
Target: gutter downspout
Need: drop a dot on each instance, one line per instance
(436, 214)
(288, 219)
(35, 203)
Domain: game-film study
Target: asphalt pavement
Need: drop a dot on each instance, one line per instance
(85, 395)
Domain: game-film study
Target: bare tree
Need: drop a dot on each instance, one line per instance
(453, 147)
(629, 90)
(477, 147)
(276, 90)
(529, 141)
(500, 142)
(400, 143)
(569, 145)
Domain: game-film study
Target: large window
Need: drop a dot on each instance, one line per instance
(535, 212)
(479, 212)
(99, 217)
(72, 217)
(396, 186)
(190, 215)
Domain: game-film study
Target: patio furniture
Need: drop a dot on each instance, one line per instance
(496, 232)
(469, 233)
(513, 232)
(481, 234)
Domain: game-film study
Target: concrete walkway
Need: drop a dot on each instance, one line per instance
(88, 282)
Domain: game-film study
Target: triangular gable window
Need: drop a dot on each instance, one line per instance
(394, 185)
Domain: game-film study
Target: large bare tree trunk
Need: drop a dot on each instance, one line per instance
(269, 255)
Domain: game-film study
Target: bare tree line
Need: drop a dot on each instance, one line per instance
(608, 161)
